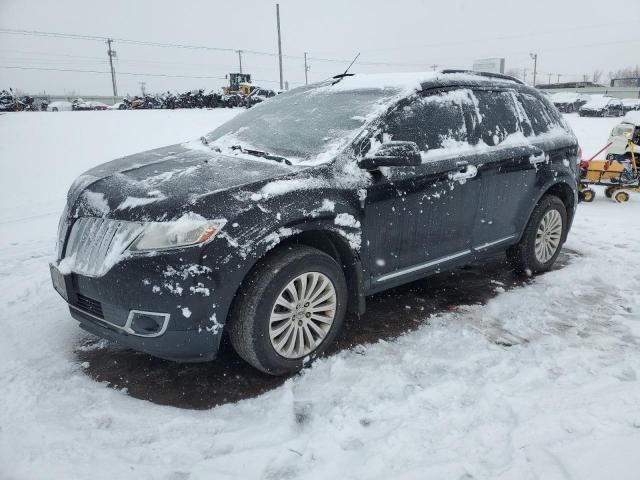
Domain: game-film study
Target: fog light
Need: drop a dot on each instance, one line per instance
(147, 324)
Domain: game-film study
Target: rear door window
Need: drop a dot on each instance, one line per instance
(538, 118)
(499, 116)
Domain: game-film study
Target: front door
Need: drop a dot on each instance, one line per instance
(418, 219)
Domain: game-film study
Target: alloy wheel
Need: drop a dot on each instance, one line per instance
(302, 315)
(548, 236)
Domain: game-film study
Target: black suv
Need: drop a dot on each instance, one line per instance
(279, 221)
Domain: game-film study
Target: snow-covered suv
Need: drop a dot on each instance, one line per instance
(281, 220)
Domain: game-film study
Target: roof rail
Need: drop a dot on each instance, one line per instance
(485, 74)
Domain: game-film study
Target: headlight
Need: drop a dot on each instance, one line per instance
(187, 231)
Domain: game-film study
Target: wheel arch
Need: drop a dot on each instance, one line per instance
(567, 195)
(322, 235)
(337, 247)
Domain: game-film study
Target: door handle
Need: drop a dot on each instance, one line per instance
(537, 158)
(464, 173)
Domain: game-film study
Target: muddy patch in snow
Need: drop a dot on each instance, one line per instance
(228, 379)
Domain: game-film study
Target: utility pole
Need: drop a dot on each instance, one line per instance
(534, 56)
(279, 44)
(549, 82)
(306, 69)
(434, 66)
(559, 75)
(142, 89)
(112, 54)
(524, 75)
(240, 59)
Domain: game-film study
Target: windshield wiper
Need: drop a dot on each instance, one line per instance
(340, 76)
(261, 154)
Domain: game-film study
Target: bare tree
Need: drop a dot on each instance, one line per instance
(597, 75)
(628, 72)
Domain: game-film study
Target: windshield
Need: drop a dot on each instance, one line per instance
(623, 130)
(306, 125)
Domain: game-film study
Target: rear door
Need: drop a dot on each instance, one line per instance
(508, 169)
(420, 218)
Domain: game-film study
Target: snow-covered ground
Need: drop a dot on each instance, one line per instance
(443, 402)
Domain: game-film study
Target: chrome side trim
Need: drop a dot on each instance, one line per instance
(421, 266)
(491, 244)
(127, 326)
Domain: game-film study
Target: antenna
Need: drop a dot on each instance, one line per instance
(345, 74)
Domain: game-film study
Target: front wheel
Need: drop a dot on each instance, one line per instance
(289, 310)
(542, 239)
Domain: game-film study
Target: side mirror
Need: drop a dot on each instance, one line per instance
(393, 154)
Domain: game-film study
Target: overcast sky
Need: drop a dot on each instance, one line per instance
(571, 37)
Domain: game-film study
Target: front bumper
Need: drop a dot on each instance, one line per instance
(176, 284)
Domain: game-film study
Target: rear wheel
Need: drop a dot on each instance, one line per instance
(289, 310)
(621, 196)
(542, 239)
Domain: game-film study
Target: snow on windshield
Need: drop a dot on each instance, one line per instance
(308, 125)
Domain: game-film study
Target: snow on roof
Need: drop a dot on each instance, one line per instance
(564, 97)
(632, 117)
(405, 81)
(597, 101)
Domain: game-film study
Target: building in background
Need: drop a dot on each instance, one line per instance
(490, 65)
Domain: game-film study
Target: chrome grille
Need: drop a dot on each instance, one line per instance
(96, 244)
(89, 305)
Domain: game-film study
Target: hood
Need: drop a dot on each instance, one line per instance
(164, 183)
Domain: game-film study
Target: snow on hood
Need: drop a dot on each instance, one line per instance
(164, 181)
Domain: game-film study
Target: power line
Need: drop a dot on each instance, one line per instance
(107, 72)
(71, 36)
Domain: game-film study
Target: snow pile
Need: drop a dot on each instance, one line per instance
(448, 401)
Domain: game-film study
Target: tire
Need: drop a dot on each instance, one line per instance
(608, 192)
(54, 109)
(588, 195)
(252, 316)
(523, 256)
(621, 196)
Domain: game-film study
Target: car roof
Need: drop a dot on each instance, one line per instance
(632, 117)
(419, 80)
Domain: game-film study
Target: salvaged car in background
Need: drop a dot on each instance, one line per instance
(602, 106)
(569, 102)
